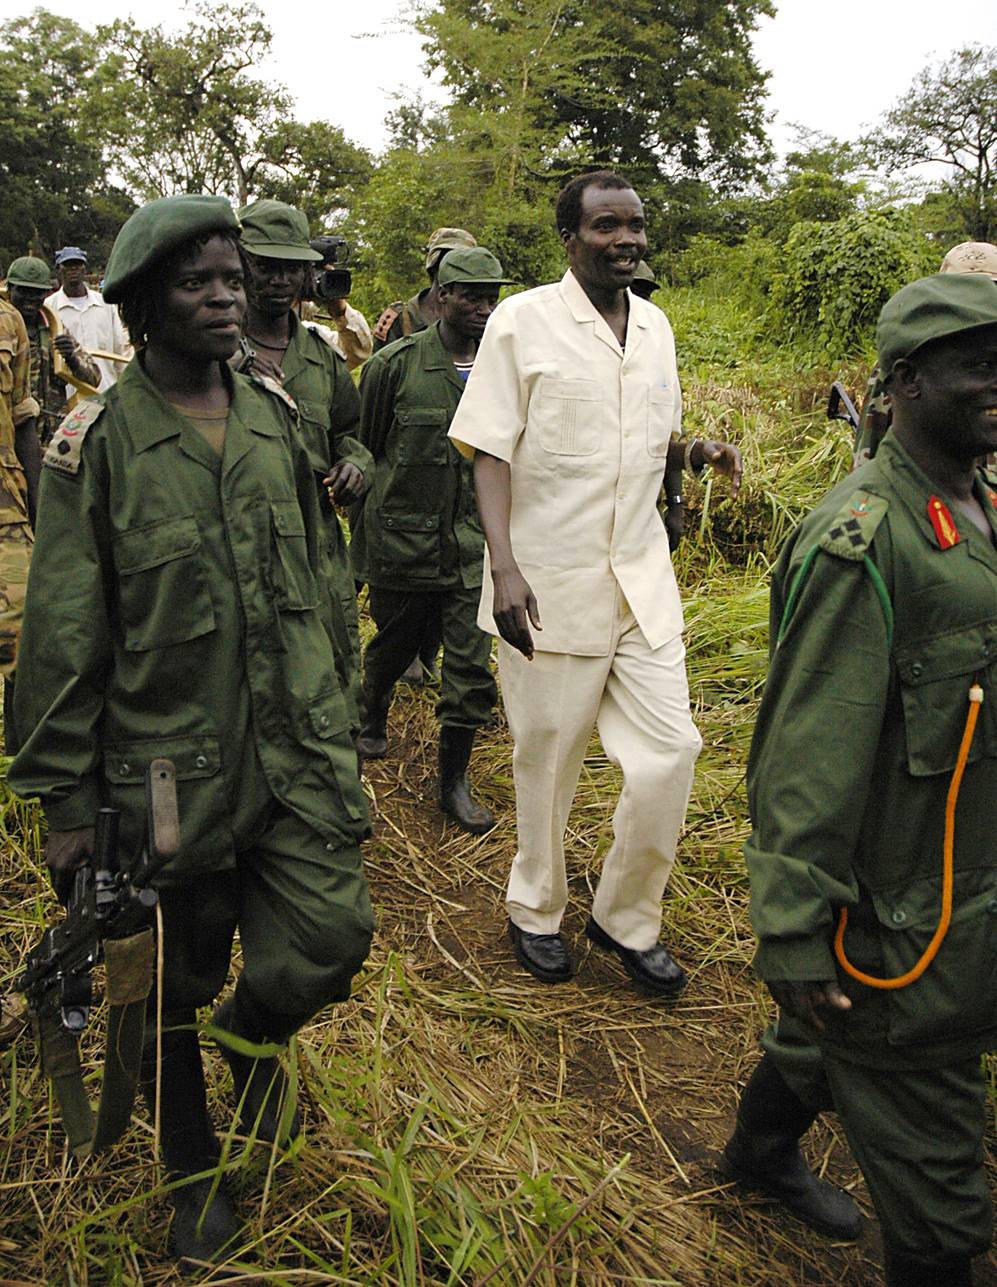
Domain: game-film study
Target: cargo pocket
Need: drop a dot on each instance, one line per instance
(420, 436)
(202, 803)
(329, 718)
(954, 998)
(8, 355)
(567, 414)
(660, 420)
(935, 677)
(164, 596)
(293, 581)
(410, 542)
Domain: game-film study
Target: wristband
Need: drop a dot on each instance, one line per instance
(695, 470)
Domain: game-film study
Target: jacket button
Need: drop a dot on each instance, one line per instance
(916, 668)
(200, 761)
(992, 905)
(898, 916)
(124, 768)
(324, 721)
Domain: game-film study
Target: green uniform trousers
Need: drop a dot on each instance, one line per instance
(304, 920)
(916, 1133)
(467, 691)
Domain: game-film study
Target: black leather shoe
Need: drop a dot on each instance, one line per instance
(545, 956)
(653, 968)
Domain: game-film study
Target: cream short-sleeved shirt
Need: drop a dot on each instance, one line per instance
(95, 326)
(585, 427)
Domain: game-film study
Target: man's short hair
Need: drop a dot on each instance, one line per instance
(568, 212)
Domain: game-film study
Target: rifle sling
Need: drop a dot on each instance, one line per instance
(60, 1059)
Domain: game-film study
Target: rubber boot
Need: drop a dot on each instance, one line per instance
(763, 1154)
(372, 743)
(205, 1224)
(260, 1084)
(904, 1270)
(455, 793)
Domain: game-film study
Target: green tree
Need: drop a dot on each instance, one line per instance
(949, 117)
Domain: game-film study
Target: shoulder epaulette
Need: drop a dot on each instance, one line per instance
(854, 526)
(387, 320)
(63, 452)
(271, 386)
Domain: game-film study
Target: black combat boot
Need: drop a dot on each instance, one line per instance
(455, 794)
(763, 1154)
(904, 1270)
(205, 1224)
(372, 743)
(260, 1085)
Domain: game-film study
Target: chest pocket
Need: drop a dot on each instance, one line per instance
(163, 590)
(935, 675)
(420, 436)
(292, 578)
(660, 418)
(568, 415)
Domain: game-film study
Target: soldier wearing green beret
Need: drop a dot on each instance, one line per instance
(189, 623)
(418, 543)
(297, 354)
(29, 282)
(871, 783)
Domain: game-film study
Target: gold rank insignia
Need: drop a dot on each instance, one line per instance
(946, 532)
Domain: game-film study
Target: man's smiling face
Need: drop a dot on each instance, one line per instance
(610, 239)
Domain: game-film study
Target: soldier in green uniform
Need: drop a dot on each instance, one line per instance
(417, 543)
(875, 416)
(174, 609)
(278, 257)
(28, 283)
(876, 921)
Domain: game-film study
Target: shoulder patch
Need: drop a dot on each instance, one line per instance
(854, 526)
(63, 452)
(386, 320)
(271, 386)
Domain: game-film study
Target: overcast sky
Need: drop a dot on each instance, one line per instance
(836, 65)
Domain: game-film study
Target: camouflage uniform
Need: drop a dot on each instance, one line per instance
(16, 406)
(874, 419)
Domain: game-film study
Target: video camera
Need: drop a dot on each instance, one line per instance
(331, 282)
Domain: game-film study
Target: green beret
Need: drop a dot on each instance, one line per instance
(31, 272)
(466, 267)
(276, 231)
(156, 229)
(932, 309)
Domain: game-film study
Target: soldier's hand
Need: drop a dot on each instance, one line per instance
(803, 999)
(345, 482)
(725, 458)
(515, 610)
(65, 851)
(65, 344)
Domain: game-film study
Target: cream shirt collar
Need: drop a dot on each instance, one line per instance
(59, 299)
(584, 311)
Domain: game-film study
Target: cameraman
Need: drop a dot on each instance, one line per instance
(349, 334)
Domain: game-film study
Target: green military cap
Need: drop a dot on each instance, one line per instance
(159, 227)
(932, 309)
(31, 272)
(444, 239)
(276, 231)
(644, 274)
(472, 267)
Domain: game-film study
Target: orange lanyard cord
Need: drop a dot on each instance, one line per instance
(931, 951)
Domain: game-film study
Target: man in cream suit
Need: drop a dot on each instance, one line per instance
(573, 414)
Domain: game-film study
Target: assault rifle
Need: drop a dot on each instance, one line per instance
(841, 407)
(107, 920)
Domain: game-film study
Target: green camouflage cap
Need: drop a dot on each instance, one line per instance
(276, 231)
(471, 267)
(159, 227)
(644, 274)
(932, 309)
(31, 272)
(444, 239)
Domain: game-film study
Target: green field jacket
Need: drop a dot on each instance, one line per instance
(880, 624)
(173, 610)
(418, 529)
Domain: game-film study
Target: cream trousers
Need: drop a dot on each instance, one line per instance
(638, 698)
